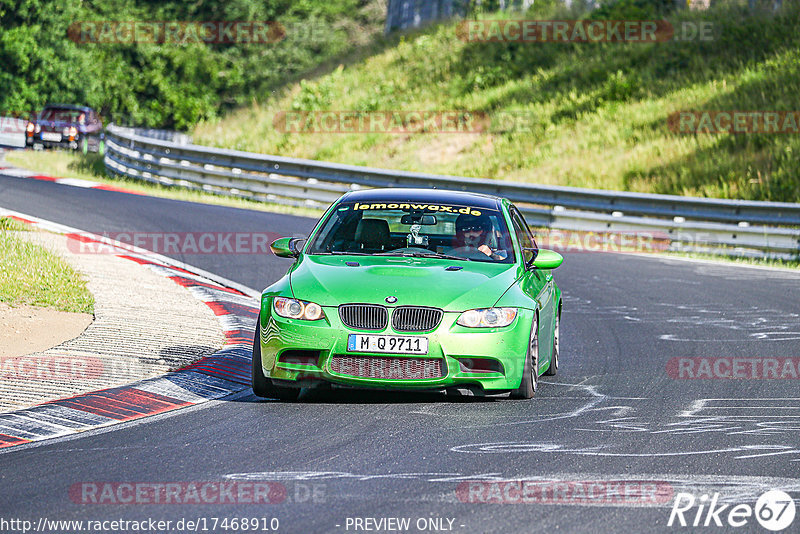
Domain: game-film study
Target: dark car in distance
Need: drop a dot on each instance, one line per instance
(66, 126)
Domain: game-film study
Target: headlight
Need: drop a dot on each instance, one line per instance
(298, 309)
(487, 317)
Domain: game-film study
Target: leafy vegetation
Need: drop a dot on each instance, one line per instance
(167, 85)
(590, 115)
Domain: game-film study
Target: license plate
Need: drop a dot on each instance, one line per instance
(387, 344)
(50, 136)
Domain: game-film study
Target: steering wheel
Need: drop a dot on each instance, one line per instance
(470, 253)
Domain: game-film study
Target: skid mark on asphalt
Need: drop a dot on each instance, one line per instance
(733, 417)
(587, 403)
(516, 447)
(584, 404)
(561, 488)
(721, 323)
(742, 273)
(757, 407)
(598, 413)
(730, 416)
(739, 417)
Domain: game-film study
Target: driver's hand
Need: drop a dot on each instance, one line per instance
(486, 250)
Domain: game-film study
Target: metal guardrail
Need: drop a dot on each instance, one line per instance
(12, 132)
(152, 133)
(687, 222)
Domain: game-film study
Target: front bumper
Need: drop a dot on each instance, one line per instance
(65, 142)
(502, 352)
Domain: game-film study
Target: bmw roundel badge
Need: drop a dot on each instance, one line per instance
(391, 300)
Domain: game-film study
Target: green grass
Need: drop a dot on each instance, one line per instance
(597, 113)
(66, 164)
(30, 274)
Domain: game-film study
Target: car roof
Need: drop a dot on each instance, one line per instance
(431, 196)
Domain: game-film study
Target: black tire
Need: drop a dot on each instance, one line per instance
(263, 386)
(552, 370)
(530, 375)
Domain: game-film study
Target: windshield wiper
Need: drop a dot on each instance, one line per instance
(437, 255)
(441, 255)
(340, 253)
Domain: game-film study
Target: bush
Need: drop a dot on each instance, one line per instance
(166, 85)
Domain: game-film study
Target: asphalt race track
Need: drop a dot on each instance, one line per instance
(613, 413)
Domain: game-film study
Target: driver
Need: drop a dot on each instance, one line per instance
(474, 232)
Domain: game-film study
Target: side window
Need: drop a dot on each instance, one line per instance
(524, 236)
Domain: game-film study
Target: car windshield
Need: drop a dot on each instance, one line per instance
(62, 115)
(451, 231)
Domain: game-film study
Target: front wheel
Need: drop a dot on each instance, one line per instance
(553, 369)
(263, 386)
(530, 371)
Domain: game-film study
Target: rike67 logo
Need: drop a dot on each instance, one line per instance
(774, 510)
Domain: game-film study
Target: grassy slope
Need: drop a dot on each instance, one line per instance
(30, 274)
(599, 111)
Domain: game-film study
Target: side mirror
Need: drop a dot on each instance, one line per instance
(546, 259)
(286, 247)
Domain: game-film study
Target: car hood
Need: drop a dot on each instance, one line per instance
(328, 281)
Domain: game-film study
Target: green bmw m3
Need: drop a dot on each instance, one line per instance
(411, 289)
